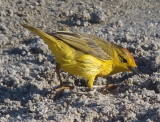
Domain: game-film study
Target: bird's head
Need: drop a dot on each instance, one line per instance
(125, 61)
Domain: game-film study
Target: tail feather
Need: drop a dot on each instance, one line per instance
(58, 48)
(46, 37)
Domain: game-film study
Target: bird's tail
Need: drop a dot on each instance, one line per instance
(58, 48)
(46, 37)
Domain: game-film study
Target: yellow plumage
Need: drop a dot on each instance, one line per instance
(85, 55)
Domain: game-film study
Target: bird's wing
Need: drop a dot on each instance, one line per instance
(86, 43)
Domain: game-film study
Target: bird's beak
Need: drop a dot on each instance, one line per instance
(135, 70)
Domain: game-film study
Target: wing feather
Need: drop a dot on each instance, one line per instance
(86, 43)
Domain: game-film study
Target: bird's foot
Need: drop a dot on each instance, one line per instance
(64, 86)
(107, 88)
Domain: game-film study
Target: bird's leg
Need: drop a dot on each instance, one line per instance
(58, 73)
(62, 86)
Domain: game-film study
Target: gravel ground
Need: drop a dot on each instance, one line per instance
(27, 67)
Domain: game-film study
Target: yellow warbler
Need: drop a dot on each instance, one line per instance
(85, 55)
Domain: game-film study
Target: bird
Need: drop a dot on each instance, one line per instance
(86, 55)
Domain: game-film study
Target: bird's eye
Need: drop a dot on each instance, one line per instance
(124, 60)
